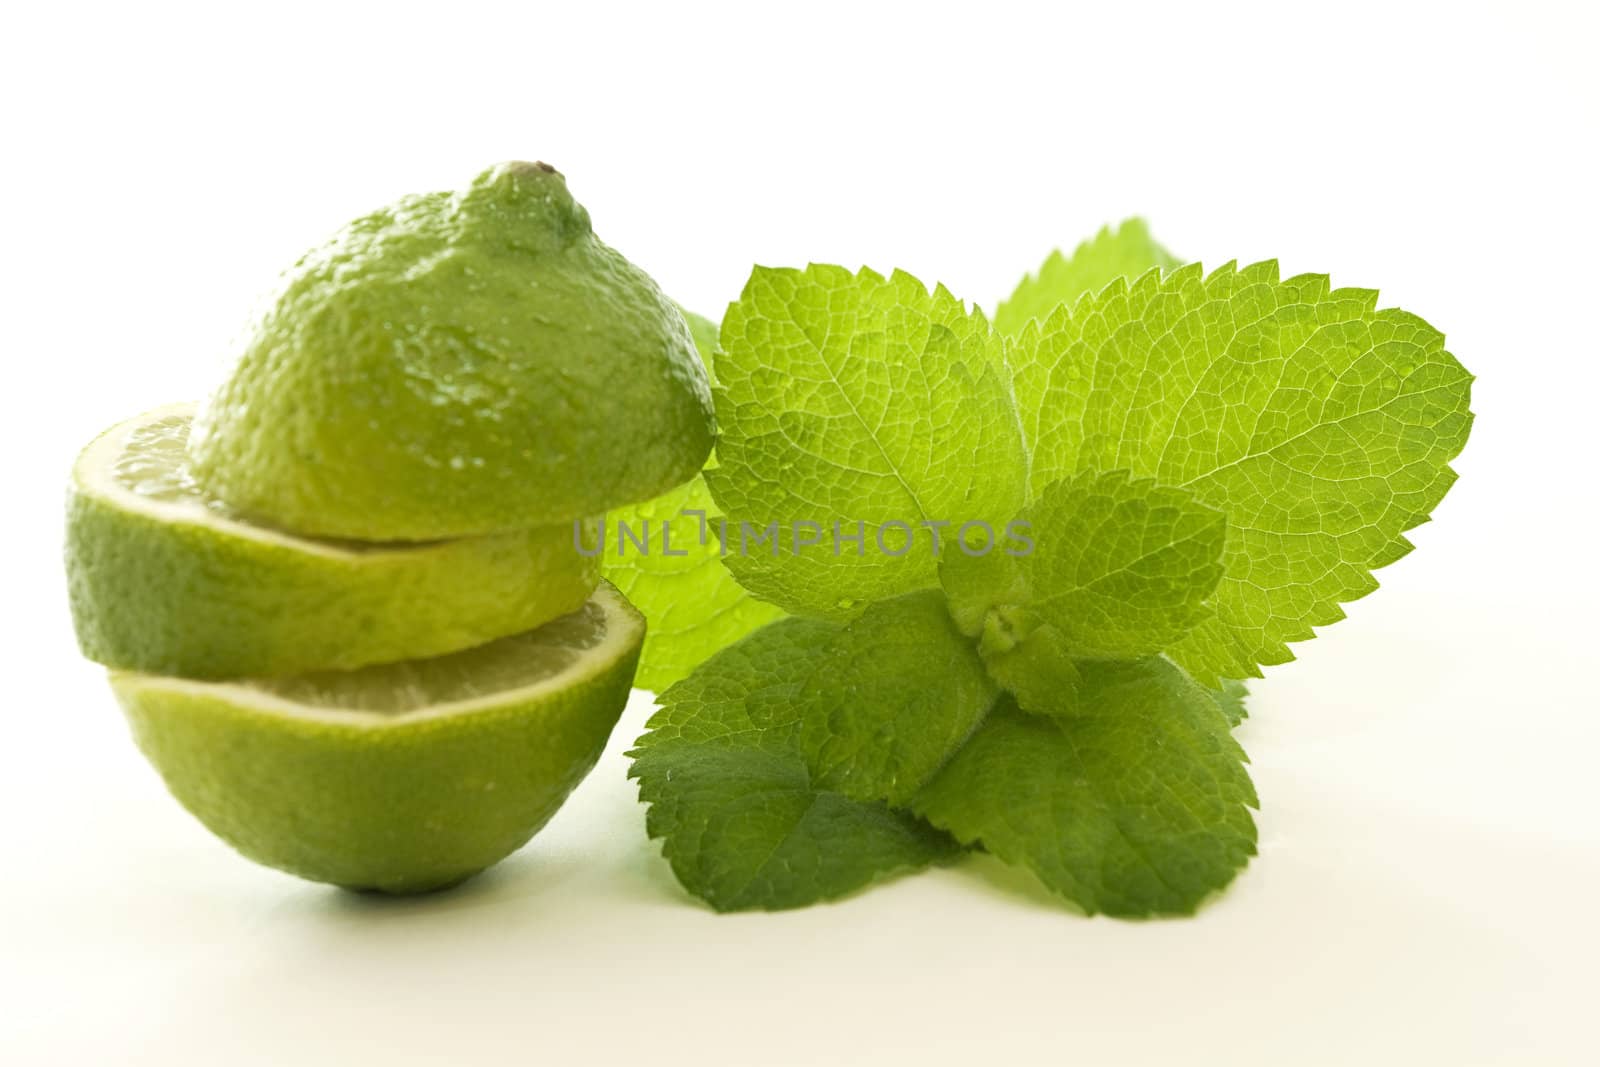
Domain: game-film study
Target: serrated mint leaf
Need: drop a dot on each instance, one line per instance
(677, 579)
(1321, 426)
(890, 697)
(1230, 694)
(1119, 568)
(1140, 809)
(1126, 252)
(860, 406)
(740, 817)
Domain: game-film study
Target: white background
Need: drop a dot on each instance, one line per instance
(1425, 892)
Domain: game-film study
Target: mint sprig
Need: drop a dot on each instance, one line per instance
(1171, 476)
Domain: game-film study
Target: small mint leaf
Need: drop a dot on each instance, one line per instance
(1038, 671)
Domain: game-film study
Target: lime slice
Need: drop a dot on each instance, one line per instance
(401, 778)
(165, 580)
(457, 364)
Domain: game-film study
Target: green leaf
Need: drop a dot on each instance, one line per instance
(693, 603)
(892, 695)
(1126, 252)
(742, 822)
(1119, 568)
(1034, 664)
(1230, 694)
(848, 399)
(1141, 809)
(705, 333)
(1321, 426)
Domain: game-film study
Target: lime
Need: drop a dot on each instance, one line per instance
(164, 579)
(405, 777)
(457, 364)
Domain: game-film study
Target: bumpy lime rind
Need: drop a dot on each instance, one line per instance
(176, 587)
(458, 364)
(403, 802)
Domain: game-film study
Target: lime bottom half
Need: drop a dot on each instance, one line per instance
(403, 778)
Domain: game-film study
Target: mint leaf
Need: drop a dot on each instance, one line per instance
(693, 603)
(1127, 252)
(1033, 662)
(1321, 426)
(705, 333)
(1141, 809)
(890, 697)
(1119, 568)
(1229, 695)
(742, 822)
(846, 399)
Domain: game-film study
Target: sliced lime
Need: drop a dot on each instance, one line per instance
(164, 579)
